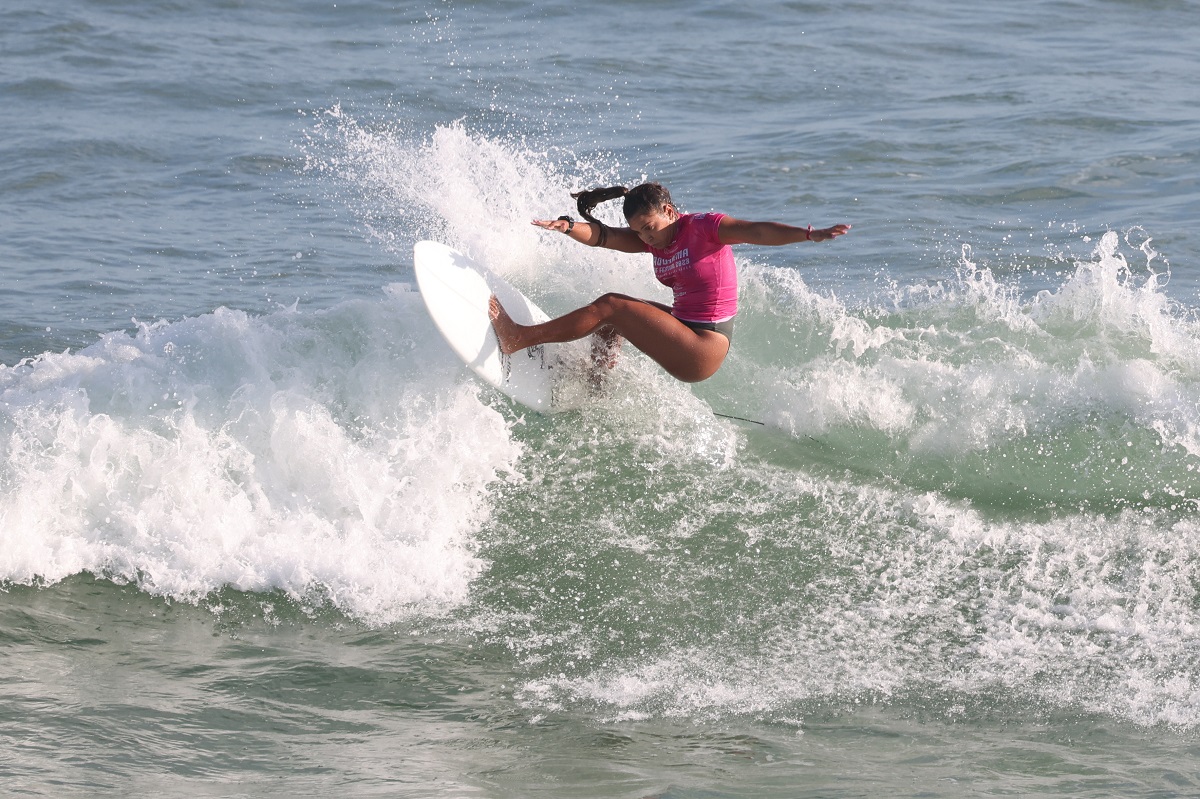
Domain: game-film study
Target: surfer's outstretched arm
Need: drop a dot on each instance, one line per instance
(688, 355)
(595, 234)
(774, 234)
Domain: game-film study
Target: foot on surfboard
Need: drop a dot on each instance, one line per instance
(507, 331)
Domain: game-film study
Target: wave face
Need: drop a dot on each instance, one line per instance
(964, 492)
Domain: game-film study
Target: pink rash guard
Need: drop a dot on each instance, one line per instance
(699, 269)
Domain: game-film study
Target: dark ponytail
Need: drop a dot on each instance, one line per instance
(638, 200)
(585, 201)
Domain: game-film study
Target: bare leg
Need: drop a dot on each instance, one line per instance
(688, 355)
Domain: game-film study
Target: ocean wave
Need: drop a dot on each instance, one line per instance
(312, 453)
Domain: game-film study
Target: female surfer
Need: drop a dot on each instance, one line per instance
(692, 256)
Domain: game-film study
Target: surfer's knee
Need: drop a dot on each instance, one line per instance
(607, 305)
(612, 304)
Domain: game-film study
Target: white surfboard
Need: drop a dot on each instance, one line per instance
(547, 378)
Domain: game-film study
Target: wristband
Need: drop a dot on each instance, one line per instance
(570, 224)
(808, 234)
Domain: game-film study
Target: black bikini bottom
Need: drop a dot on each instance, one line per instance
(724, 328)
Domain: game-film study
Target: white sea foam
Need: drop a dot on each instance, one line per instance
(322, 454)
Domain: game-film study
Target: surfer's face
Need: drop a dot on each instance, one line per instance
(655, 227)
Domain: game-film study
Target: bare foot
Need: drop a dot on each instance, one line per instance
(606, 346)
(508, 332)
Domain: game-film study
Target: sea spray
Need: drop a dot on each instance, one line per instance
(477, 193)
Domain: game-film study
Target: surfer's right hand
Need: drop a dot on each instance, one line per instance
(559, 225)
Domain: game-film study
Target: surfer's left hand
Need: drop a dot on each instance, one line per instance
(825, 234)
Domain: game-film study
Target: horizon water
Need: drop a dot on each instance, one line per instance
(261, 534)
